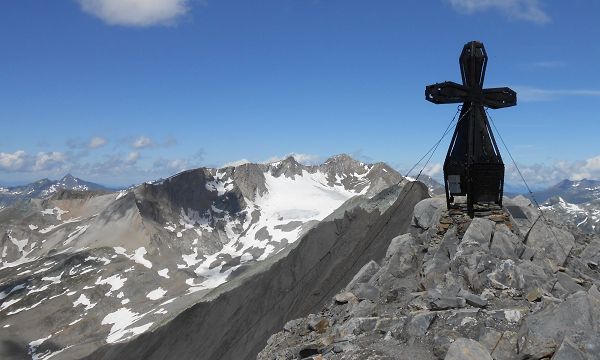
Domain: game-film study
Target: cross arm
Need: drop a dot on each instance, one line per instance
(447, 92)
(496, 98)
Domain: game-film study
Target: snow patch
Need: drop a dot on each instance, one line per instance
(120, 321)
(83, 300)
(156, 294)
(164, 273)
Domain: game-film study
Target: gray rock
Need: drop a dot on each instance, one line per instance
(490, 339)
(357, 326)
(467, 349)
(473, 280)
(419, 323)
(479, 232)
(436, 301)
(505, 244)
(405, 258)
(505, 276)
(396, 245)
(393, 324)
(527, 253)
(506, 347)
(364, 274)
(362, 309)
(569, 351)
(528, 214)
(472, 299)
(366, 292)
(292, 324)
(436, 267)
(533, 276)
(568, 283)
(541, 333)
(318, 324)
(427, 212)
(553, 245)
(591, 253)
(345, 297)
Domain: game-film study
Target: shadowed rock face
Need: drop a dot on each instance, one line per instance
(236, 323)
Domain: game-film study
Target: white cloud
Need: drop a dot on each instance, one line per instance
(96, 142)
(433, 170)
(236, 163)
(20, 161)
(48, 161)
(167, 167)
(142, 142)
(527, 10)
(13, 161)
(132, 157)
(136, 12)
(306, 159)
(544, 175)
(533, 94)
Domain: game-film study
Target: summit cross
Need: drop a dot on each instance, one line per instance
(473, 165)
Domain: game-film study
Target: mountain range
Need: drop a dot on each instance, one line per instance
(97, 267)
(107, 274)
(45, 187)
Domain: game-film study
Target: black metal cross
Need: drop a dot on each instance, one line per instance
(473, 165)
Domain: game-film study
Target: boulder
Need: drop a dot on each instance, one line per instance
(505, 276)
(427, 212)
(542, 333)
(419, 323)
(506, 348)
(405, 257)
(467, 349)
(437, 301)
(364, 274)
(552, 244)
(435, 268)
(479, 232)
(569, 351)
(505, 244)
(472, 299)
(344, 298)
(365, 291)
(591, 253)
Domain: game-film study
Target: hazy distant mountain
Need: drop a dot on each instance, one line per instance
(45, 187)
(574, 202)
(575, 192)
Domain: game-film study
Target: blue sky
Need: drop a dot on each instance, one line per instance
(122, 91)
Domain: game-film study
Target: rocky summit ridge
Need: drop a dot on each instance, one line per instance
(505, 285)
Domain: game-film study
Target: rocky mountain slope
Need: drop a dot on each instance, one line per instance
(585, 216)
(92, 268)
(45, 187)
(234, 321)
(501, 286)
(575, 192)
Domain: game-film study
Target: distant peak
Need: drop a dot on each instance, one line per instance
(290, 160)
(341, 158)
(69, 177)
